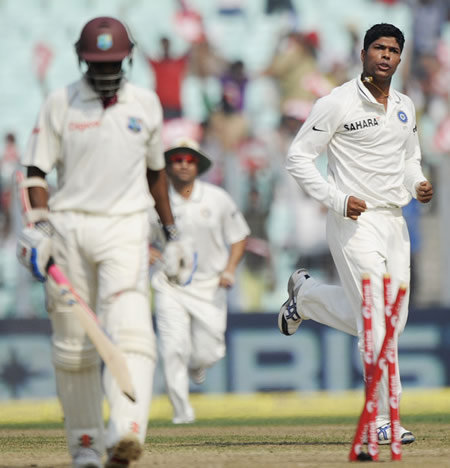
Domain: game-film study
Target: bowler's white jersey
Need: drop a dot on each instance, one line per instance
(101, 155)
(373, 153)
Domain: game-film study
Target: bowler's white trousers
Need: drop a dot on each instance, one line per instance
(191, 324)
(377, 243)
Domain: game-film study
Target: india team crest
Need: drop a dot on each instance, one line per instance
(205, 212)
(104, 41)
(402, 117)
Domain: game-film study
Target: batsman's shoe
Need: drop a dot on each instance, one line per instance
(289, 319)
(198, 376)
(384, 435)
(128, 449)
(86, 457)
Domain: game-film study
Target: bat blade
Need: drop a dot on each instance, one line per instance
(108, 351)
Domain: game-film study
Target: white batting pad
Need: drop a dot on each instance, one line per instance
(128, 322)
(125, 416)
(81, 396)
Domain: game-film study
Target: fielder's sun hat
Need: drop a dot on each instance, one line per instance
(187, 145)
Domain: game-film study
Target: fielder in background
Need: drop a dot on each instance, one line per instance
(103, 136)
(191, 319)
(374, 168)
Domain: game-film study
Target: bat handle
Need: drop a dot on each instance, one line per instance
(55, 272)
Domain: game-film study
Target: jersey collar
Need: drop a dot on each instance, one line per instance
(196, 195)
(88, 94)
(366, 95)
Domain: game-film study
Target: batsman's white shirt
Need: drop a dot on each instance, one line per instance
(101, 155)
(373, 154)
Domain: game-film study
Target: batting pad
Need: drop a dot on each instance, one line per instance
(126, 416)
(128, 322)
(81, 395)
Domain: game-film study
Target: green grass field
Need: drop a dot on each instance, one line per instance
(255, 430)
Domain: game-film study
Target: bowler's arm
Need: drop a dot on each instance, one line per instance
(309, 143)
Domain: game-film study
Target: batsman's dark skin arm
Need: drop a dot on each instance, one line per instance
(158, 185)
(38, 195)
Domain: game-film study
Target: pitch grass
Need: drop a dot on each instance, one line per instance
(237, 431)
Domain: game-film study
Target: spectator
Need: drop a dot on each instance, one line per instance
(229, 122)
(234, 83)
(169, 74)
(8, 163)
(258, 273)
(428, 20)
(202, 90)
(295, 69)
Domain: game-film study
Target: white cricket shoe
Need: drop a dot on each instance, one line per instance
(128, 449)
(198, 376)
(289, 319)
(184, 420)
(384, 435)
(87, 457)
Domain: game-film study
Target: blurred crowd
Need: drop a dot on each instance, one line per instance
(246, 117)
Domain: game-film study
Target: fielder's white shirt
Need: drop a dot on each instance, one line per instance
(212, 222)
(373, 153)
(101, 155)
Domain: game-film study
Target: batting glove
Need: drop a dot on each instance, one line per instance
(34, 248)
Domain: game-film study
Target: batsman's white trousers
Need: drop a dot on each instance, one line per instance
(377, 243)
(106, 260)
(191, 326)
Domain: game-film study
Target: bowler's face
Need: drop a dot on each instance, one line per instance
(381, 58)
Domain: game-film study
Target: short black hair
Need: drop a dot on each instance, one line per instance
(383, 30)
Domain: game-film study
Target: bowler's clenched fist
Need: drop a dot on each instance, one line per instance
(424, 191)
(355, 206)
